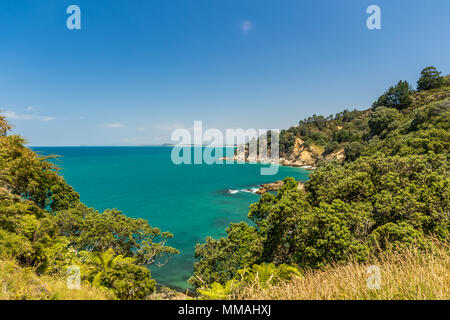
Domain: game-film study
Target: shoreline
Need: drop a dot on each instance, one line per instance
(291, 165)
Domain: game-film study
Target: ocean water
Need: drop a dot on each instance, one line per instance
(190, 201)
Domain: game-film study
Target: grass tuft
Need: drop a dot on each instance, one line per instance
(409, 274)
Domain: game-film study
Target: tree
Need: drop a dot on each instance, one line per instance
(277, 219)
(430, 79)
(97, 232)
(4, 126)
(221, 259)
(398, 97)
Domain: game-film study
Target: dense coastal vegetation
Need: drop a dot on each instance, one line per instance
(45, 229)
(380, 195)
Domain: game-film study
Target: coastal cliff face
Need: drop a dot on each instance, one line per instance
(301, 155)
(336, 155)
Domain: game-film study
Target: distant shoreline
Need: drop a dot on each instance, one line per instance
(306, 167)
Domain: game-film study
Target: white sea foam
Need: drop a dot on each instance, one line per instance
(251, 190)
(248, 190)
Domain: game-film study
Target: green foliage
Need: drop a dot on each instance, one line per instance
(13, 245)
(397, 236)
(353, 150)
(397, 97)
(430, 79)
(26, 174)
(102, 260)
(424, 130)
(264, 276)
(4, 126)
(218, 291)
(43, 225)
(90, 230)
(220, 259)
(330, 132)
(119, 274)
(383, 120)
(276, 218)
(325, 235)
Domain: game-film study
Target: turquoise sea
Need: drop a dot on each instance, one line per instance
(190, 201)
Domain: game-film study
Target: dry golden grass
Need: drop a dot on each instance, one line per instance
(18, 283)
(410, 274)
(407, 275)
(317, 149)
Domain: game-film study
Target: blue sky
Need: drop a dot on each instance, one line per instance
(138, 69)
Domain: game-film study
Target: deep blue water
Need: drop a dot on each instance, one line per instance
(190, 201)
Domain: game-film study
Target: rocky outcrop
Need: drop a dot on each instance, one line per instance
(275, 186)
(337, 155)
(301, 156)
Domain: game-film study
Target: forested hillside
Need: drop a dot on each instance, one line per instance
(388, 190)
(349, 132)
